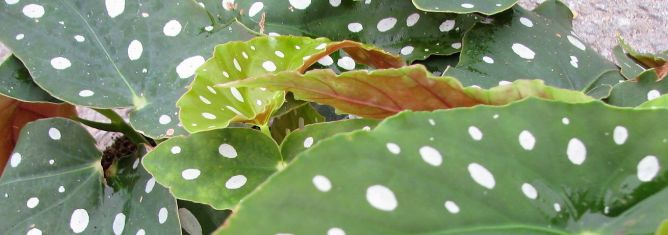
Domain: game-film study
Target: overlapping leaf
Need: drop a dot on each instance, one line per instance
(207, 107)
(15, 82)
(54, 185)
(633, 63)
(520, 44)
(294, 118)
(645, 87)
(398, 27)
(465, 6)
(110, 54)
(304, 139)
(197, 219)
(217, 167)
(383, 93)
(485, 170)
(16, 114)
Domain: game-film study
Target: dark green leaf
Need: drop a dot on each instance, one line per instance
(54, 185)
(197, 219)
(465, 6)
(301, 114)
(484, 170)
(520, 44)
(15, 82)
(398, 27)
(634, 92)
(115, 53)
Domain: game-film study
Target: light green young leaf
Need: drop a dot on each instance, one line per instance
(465, 6)
(484, 170)
(114, 54)
(398, 27)
(207, 107)
(217, 167)
(54, 185)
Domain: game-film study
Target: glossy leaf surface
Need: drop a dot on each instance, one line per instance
(115, 53)
(15, 82)
(465, 6)
(398, 27)
(54, 185)
(521, 44)
(217, 167)
(485, 170)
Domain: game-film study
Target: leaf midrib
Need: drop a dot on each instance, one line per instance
(104, 49)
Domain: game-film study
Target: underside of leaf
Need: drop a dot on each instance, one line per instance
(383, 93)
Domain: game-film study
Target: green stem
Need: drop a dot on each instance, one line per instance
(265, 130)
(122, 126)
(99, 125)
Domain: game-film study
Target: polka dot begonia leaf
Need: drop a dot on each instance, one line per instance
(646, 87)
(521, 44)
(385, 92)
(486, 7)
(15, 114)
(217, 167)
(482, 170)
(115, 53)
(15, 82)
(303, 139)
(399, 27)
(54, 185)
(206, 106)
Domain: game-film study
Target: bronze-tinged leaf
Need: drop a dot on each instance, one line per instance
(16, 114)
(382, 93)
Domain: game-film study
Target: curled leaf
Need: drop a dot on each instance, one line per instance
(207, 107)
(383, 93)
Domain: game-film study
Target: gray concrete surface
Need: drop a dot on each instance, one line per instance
(643, 23)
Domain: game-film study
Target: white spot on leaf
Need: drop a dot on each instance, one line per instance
(475, 133)
(187, 67)
(255, 8)
(529, 191)
(526, 22)
(308, 142)
(393, 148)
(79, 220)
(386, 24)
(60, 63)
(523, 51)
(114, 7)
(119, 224)
(162, 215)
(431, 156)
(164, 119)
(135, 50)
(322, 183)
(447, 25)
(576, 151)
(527, 140)
(451, 207)
(481, 175)
(227, 151)
(149, 185)
(269, 66)
(620, 134)
(172, 28)
(346, 63)
(381, 198)
(412, 19)
(648, 168)
(54, 133)
(236, 182)
(86, 93)
(576, 42)
(190, 174)
(300, 4)
(32, 202)
(355, 27)
(407, 50)
(653, 94)
(33, 11)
